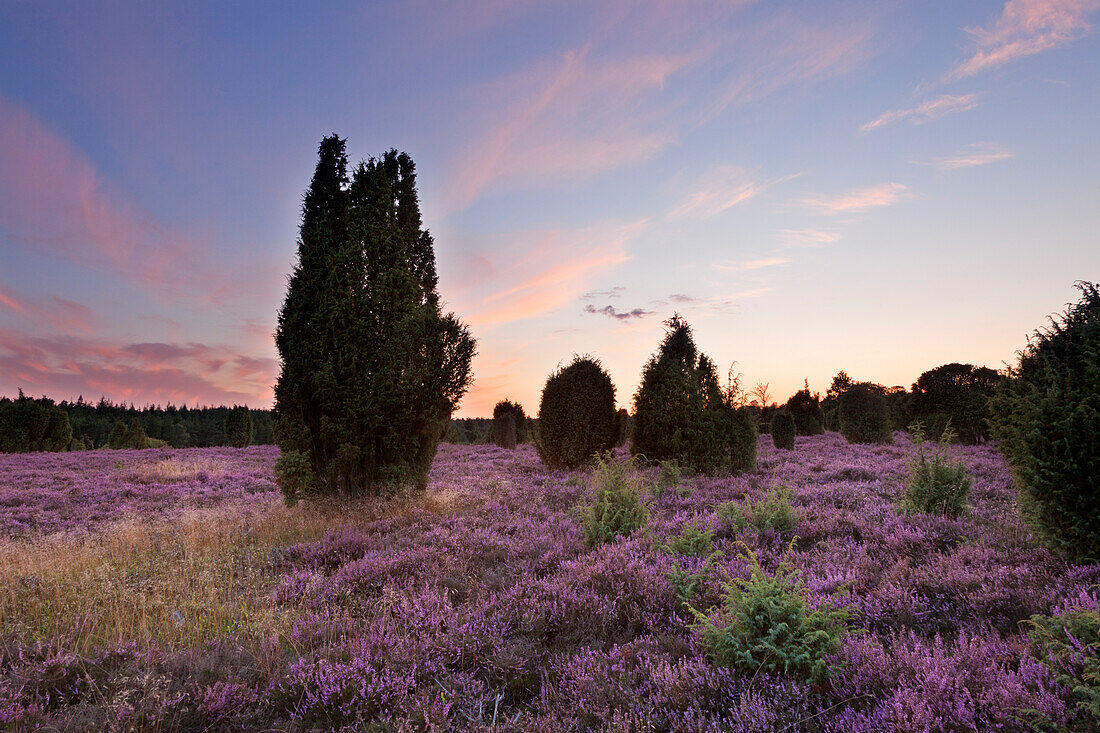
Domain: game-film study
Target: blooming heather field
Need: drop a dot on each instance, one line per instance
(196, 601)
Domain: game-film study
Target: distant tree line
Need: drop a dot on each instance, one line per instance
(28, 424)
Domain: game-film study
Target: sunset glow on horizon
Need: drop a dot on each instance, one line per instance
(879, 188)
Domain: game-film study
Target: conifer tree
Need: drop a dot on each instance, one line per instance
(238, 427)
(371, 367)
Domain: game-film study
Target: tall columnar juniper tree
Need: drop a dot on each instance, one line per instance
(371, 367)
(681, 412)
(1046, 418)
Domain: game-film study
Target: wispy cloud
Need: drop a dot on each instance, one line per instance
(571, 116)
(614, 292)
(718, 189)
(1024, 28)
(746, 265)
(807, 237)
(62, 314)
(609, 310)
(627, 95)
(189, 373)
(54, 201)
(930, 109)
(549, 273)
(860, 199)
(973, 155)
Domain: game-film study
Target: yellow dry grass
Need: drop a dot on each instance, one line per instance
(205, 575)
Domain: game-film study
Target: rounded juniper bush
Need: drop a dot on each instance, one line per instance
(783, 430)
(519, 420)
(863, 414)
(577, 418)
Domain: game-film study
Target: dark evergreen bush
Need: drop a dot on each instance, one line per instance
(504, 430)
(238, 427)
(681, 412)
(805, 409)
(863, 414)
(371, 367)
(1046, 417)
(577, 417)
(841, 382)
(624, 425)
(783, 430)
(33, 425)
(959, 393)
(519, 422)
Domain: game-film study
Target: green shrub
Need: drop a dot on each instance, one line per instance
(576, 415)
(863, 414)
(682, 413)
(935, 484)
(767, 625)
(295, 476)
(669, 477)
(498, 429)
(694, 539)
(371, 366)
(783, 430)
(131, 436)
(617, 506)
(773, 511)
(1046, 417)
(805, 409)
(959, 393)
(238, 427)
(1069, 645)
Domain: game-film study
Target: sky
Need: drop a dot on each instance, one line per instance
(880, 187)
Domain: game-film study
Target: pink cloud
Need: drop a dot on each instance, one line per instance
(556, 269)
(54, 201)
(746, 265)
(930, 109)
(571, 116)
(861, 199)
(974, 155)
(192, 373)
(1024, 28)
(719, 189)
(807, 237)
(62, 314)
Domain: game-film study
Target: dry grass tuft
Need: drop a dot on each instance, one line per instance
(180, 582)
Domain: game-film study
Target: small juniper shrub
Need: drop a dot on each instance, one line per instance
(767, 624)
(1069, 644)
(742, 442)
(617, 507)
(519, 418)
(694, 539)
(503, 430)
(1046, 418)
(670, 478)
(783, 430)
(773, 512)
(863, 414)
(576, 415)
(623, 418)
(935, 484)
(295, 476)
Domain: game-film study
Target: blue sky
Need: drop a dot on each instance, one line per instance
(879, 187)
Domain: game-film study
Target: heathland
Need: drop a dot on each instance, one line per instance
(173, 590)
